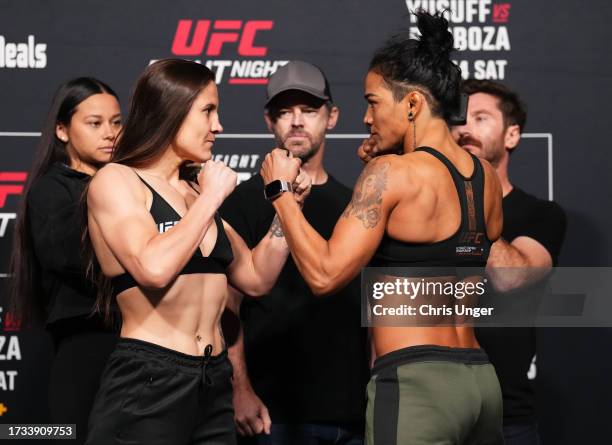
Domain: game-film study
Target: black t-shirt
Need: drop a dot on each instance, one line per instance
(306, 355)
(511, 350)
(55, 226)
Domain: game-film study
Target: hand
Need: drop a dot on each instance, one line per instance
(368, 150)
(301, 187)
(250, 414)
(280, 164)
(216, 178)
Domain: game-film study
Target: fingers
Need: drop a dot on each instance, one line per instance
(265, 419)
(255, 425)
(302, 182)
(280, 164)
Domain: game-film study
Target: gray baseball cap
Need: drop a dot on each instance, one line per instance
(298, 75)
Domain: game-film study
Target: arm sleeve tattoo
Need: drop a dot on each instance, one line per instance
(367, 196)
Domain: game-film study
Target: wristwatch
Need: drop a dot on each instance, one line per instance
(276, 188)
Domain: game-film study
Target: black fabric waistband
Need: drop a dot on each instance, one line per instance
(190, 361)
(429, 353)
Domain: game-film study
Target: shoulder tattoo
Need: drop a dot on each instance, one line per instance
(367, 196)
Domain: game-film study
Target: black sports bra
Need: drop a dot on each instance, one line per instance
(469, 246)
(166, 217)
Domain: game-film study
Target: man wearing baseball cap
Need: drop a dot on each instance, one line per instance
(301, 369)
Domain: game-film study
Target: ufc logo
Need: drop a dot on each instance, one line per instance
(232, 31)
(501, 12)
(11, 189)
(471, 238)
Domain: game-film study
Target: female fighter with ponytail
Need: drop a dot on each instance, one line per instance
(425, 206)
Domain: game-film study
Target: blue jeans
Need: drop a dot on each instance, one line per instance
(312, 434)
(521, 434)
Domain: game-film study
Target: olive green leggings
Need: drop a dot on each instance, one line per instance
(434, 395)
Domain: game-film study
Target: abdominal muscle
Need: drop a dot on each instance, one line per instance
(184, 317)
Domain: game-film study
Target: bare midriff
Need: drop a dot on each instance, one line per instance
(184, 317)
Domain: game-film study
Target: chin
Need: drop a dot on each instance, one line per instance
(103, 158)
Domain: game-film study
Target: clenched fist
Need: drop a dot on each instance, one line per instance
(367, 150)
(217, 179)
(301, 187)
(280, 164)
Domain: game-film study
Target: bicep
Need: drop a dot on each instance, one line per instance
(535, 253)
(120, 213)
(359, 230)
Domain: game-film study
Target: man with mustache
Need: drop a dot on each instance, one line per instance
(306, 357)
(531, 240)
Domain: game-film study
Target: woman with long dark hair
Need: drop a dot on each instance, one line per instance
(169, 257)
(429, 205)
(47, 274)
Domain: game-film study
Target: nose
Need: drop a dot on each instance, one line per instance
(367, 118)
(110, 131)
(297, 119)
(461, 131)
(216, 127)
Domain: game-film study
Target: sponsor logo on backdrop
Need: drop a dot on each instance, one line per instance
(10, 351)
(11, 183)
(25, 55)
(479, 27)
(245, 165)
(231, 48)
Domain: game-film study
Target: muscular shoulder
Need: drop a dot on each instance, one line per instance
(379, 181)
(114, 181)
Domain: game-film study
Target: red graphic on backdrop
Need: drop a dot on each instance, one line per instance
(11, 189)
(224, 32)
(501, 12)
(11, 323)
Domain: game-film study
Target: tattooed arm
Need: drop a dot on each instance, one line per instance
(255, 271)
(329, 265)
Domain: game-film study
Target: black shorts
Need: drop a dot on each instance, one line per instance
(153, 395)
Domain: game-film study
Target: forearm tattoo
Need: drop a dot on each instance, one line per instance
(367, 197)
(276, 230)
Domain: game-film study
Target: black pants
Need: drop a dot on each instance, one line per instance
(75, 375)
(153, 395)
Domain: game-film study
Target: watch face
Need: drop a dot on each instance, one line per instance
(273, 189)
(276, 188)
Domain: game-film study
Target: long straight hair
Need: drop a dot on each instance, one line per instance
(25, 298)
(161, 100)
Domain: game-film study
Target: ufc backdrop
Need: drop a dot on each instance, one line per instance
(556, 54)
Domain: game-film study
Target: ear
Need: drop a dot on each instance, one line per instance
(512, 137)
(61, 132)
(268, 120)
(413, 102)
(332, 120)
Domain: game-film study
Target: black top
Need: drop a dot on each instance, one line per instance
(511, 350)
(306, 355)
(55, 223)
(469, 246)
(166, 217)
